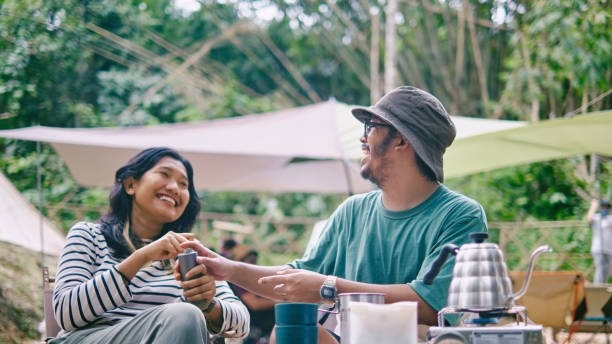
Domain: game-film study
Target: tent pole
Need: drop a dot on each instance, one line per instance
(40, 204)
(347, 174)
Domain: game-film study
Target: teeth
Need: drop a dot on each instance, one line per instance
(167, 199)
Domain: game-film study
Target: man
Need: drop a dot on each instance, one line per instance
(382, 241)
(601, 244)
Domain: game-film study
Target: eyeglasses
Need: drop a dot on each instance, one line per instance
(368, 125)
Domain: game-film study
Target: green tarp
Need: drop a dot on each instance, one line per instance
(541, 141)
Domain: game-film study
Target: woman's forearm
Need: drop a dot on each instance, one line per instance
(130, 266)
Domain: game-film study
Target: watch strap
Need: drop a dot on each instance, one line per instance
(210, 307)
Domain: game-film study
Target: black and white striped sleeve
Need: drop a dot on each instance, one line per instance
(82, 292)
(236, 318)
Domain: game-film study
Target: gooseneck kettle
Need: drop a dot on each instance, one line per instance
(480, 280)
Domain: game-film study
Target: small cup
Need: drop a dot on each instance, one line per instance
(296, 334)
(296, 313)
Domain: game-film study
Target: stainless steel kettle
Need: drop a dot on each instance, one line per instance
(480, 276)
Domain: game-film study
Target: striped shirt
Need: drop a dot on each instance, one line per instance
(89, 288)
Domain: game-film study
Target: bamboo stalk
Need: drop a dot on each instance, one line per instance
(390, 50)
(482, 78)
(290, 67)
(375, 93)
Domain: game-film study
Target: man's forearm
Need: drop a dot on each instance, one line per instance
(248, 275)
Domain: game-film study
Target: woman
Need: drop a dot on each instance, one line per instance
(115, 280)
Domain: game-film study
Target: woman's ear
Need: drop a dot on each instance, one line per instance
(128, 185)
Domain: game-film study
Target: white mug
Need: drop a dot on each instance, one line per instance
(382, 323)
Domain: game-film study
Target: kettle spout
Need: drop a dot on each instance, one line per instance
(538, 251)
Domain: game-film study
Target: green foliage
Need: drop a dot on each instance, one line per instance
(291, 204)
(122, 88)
(570, 246)
(540, 191)
(71, 63)
(42, 43)
(561, 57)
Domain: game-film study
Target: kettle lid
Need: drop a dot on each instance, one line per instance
(479, 237)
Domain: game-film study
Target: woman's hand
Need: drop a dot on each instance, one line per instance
(199, 287)
(166, 247)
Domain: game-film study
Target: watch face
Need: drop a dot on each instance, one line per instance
(328, 293)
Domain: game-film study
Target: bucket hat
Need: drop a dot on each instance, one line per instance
(420, 118)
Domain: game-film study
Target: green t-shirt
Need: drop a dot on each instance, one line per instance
(365, 242)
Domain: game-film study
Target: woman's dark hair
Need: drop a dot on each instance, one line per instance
(121, 203)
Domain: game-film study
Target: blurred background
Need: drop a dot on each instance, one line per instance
(111, 63)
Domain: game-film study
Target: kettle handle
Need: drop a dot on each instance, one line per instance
(437, 264)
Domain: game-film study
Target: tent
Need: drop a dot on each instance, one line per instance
(312, 148)
(20, 223)
(541, 141)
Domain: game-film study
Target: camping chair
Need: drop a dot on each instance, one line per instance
(554, 299)
(51, 326)
(598, 318)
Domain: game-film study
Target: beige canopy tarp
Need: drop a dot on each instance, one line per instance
(20, 223)
(312, 148)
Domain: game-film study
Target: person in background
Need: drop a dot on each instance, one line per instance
(115, 278)
(385, 240)
(228, 248)
(260, 308)
(601, 244)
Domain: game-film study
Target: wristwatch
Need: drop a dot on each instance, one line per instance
(210, 307)
(328, 290)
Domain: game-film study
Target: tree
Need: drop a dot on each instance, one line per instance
(560, 64)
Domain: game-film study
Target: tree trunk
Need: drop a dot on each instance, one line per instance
(390, 52)
(459, 60)
(535, 105)
(375, 59)
(460, 43)
(584, 107)
(480, 69)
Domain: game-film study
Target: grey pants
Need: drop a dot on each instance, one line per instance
(176, 323)
(602, 267)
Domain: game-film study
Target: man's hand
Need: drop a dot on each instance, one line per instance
(217, 266)
(295, 285)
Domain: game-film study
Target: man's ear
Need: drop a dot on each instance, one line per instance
(128, 185)
(401, 143)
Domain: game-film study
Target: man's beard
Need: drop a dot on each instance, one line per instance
(377, 175)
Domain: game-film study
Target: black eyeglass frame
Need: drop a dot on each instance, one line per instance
(368, 125)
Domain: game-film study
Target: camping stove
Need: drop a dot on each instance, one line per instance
(504, 326)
